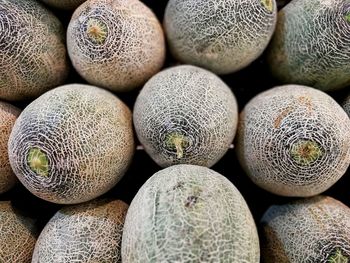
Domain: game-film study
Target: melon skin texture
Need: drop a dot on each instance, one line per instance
(188, 213)
(89, 233)
(294, 141)
(305, 231)
(64, 4)
(311, 44)
(117, 45)
(223, 36)
(18, 234)
(72, 144)
(8, 116)
(185, 114)
(33, 54)
(346, 105)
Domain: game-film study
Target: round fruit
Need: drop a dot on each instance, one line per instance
(117, 45)
(311, 44)
(18, 235)
(186, 114)
(188, 213)
(294, 140)
(89, 232)
(308, 230)
(72, 144)
(33, 54)
(346, 105)
(64, 4)
(223, 36)
(8, 116)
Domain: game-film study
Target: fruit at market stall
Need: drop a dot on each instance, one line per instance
(311, 44)
(117, 45)
(64, 4)
(18, 234)
(188, 213)
(346, 105)
(8, 116)
(222, 36)
(308, 230)
(72, 144)
(294, 140)
(185, 114)
(33, 54)
(89, 232)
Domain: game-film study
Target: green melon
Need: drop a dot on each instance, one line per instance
(294, 140)
(8, 116)
(308, 230)
(311, 45)
(33, 54)
(188, 213)
(223, 36)
(89, 233)
(72, 144)
(18, 234)
(117, 45)
(185, 114)
(64, 4)
(346, 105)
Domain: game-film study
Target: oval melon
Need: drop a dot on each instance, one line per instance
(72, 144)
(307, 230)
(188, 213)
(33, 54)
(89, 233)
(8, 116)
(185, 114)
(117, 45)
(18, 234)
(311, 44)
(64, 4)
(294, 140)
(223, 36)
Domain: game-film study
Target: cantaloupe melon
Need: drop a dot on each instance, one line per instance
(33, 54)
(223, 36)
(346, 105)
(188, 213)
(72, 144)
(308, 230)
(89, 233)
(294, 140)
(117, 45)
(64, 4)
(185, 114)
(18, 234)
(8, 116)
(311, 45)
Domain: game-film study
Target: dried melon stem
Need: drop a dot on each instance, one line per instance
(177, 141)
(268, 4)
(305, 152)
(38, 162)
(96, 30)
(347, 17)
(338, 257)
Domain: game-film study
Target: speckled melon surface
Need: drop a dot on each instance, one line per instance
(72, 144)
(185, 114)
(64, 4)
(311, 45)
(188, 213)
(86, 233)
(221, 35)
(18, 235)
(346, 105)
(117, 45)
(33, 54)
(8, 116)
(294, 140)
(307, 231)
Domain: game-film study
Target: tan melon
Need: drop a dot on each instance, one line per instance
(89, 233)
(64, 4)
